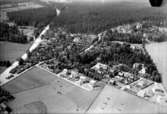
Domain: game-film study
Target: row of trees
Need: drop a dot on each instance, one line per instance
(131, 38)
(34, 17)
(5, 63)
(5, 95)
(158, 38)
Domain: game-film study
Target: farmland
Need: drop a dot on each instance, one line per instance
(19, 6)
(159, 54)
(2, 69)
(11, 51)
(30, 91)
(108, 102)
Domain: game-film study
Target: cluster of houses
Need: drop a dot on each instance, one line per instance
(119, 79)
(72, 76)
(155, 93)
(77, 79)
(135, 85)
(148, 90)
(128, 28)
(28, 31)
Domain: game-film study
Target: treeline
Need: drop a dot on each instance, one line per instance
(11, 33)
(131, 38)
(3, 2)
(34, 17)
(158, 38)
(5, 96)
(5, 63)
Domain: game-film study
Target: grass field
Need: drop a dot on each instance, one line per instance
(112, 100)
(2, 69)
(158, 52)
(55, 94)
(11, 51)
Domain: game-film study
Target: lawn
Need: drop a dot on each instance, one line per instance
(57, 95)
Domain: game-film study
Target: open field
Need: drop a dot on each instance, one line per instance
(3, 2)
(2, 69)
(37, 88)
(11, 51)
(158, 52)
(112, 100)
(19, 6)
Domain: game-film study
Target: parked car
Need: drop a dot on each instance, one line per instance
(9, 77)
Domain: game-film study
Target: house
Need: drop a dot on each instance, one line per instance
(28, 31)
(99, 67)
(11, 24)
(143, 70)
(77, 40)
(137, 66)
(5, 109)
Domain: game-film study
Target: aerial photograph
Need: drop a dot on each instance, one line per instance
(83, 56)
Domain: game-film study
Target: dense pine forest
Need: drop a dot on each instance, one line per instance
(89, 18)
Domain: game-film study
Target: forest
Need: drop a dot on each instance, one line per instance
(89, 18)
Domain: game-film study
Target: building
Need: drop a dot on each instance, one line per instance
(99, 67)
